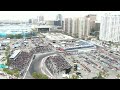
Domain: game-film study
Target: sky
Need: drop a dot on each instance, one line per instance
(48, 15)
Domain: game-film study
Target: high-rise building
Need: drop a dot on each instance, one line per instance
(34, 21)
(87, 27)
(75, 27)
(68, 26)
(97, 26)
(57, 23)
(40, 18)
(59, 17)
(30, 21)
(78, 26)
(50, 22)
(81, 29)
(65, 26)
(59, 20)
(95, 32)
(110, 28)
(91, 18)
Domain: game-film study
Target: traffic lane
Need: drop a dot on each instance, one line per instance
(28, 76)
(35, 66)
(31, 68)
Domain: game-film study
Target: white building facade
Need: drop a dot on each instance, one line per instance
(68, 25)
(77, 27)
(81, 24)
(110, 28)
(40, 18)
(81, 27)
(59, 17)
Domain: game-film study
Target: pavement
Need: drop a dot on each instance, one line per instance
(44, 69)
(35, 65)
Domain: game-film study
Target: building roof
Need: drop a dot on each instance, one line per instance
(16, 45)
(5, 41)
(56, 45)
(44, 26)
(57, 36)
(16, 52)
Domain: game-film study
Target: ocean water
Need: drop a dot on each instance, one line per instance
(14, 29)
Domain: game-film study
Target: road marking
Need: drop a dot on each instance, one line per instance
(28, 67)
(41, 65)
(32, 60)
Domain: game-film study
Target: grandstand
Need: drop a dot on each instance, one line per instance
(57, 64)
(21, 61)
(79, 45)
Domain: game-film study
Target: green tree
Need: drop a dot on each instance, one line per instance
(75, 77)
(29, 35)
(14, 72)
(99, 76)
(104, 73)
(16, 75)
(18, 36)
(10, 36)
(39, 76)
(8, 71)
(7, 54)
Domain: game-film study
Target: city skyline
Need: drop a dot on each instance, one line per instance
(48, 15)
(59, 45)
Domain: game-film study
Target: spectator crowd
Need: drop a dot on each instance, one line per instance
(57, 64)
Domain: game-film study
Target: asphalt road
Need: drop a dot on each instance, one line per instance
(35, 65)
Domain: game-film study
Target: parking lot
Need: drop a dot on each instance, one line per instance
(92, 62)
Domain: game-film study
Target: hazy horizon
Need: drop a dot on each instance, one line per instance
(48, 15)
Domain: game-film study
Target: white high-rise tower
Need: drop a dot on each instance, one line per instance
(110, 28)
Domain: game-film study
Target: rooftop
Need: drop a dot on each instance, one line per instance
(16, 52)
(57, 36)
(44, 26)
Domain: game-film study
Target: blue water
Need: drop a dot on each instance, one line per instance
(14, 29)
